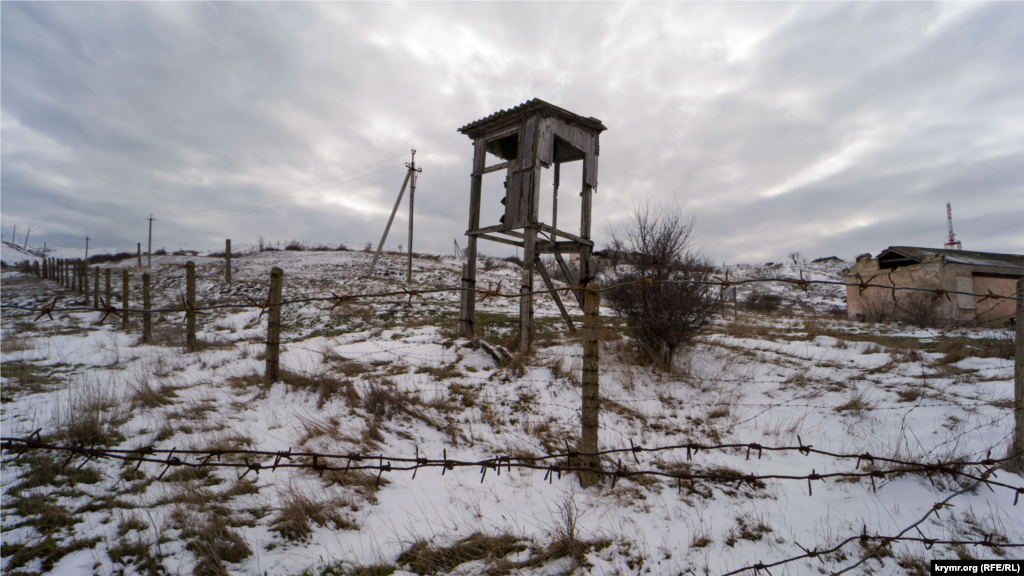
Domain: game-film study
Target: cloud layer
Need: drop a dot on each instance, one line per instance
(820, 128)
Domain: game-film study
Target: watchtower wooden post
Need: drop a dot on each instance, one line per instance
(532, 136)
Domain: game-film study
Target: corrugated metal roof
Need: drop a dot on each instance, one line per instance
(960, 256)
(522, 109)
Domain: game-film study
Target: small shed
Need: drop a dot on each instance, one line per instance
(934, 269)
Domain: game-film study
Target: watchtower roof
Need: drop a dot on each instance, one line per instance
(503, 117)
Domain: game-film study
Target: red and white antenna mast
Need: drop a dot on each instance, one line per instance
(952, 243)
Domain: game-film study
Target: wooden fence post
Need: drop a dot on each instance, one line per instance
(73, 275)
(591, 390)
(124, 299)
(1018, 379)
(110, 290)
(274, 325)
(227, 259)
(96, 290)
(83, 279)
(464, 330)
(147, 320)
(46, 273)
(140, 254)
(191, 344)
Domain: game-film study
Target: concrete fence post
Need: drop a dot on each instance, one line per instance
(191, 343)
(591, 390)
(124, 299)
(274, 325)
(147, 316)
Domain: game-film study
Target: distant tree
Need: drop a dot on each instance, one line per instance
(663, 317)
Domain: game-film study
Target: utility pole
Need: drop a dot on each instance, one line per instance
(25, 247)
(86, 248)
(149, 257)
(412, 193)
(14, 234)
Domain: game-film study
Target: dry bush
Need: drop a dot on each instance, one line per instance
(762, 302)
(917, 309)
(878, 305)
(298, 509)
(662, 317)
(89, 415)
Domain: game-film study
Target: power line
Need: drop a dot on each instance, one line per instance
(268, 198)
(205, 217)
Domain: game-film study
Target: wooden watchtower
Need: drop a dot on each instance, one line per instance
(532, 136)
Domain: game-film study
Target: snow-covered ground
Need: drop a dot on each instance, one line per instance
(390, 376)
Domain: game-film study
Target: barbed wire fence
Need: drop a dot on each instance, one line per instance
(74, 275)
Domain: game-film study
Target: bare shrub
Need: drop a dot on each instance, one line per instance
(917, 309)
(878, 305)
(663, 317)
(763, 302)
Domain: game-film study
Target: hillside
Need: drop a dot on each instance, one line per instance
(388, 377)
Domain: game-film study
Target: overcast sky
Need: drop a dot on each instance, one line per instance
(823, 128)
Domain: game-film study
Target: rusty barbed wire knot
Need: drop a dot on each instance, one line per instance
(107, 310)
(491, 291)
(339, 299)
(46, 310)
(189, 309)
(263, 306)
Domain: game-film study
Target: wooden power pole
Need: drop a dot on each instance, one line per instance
(410, 177)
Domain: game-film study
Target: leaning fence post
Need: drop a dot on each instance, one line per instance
(124, 299)
(1018, 378)
(227, 261)
(147, 320)
(96, 291)
(191, 344)
(591, 401)
(110, 290)
(274, 324)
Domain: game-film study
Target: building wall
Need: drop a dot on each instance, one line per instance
(932, 273)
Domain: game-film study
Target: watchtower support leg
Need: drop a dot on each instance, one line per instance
(526, 301)
(467, 320)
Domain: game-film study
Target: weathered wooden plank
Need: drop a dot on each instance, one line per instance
(495, 168)
(500, 240)
(546, 142)
(526, 300)
(554, 295)
(571, 276)
(558, 248)
(584, 241)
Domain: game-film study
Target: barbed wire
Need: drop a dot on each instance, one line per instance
(886, 540)
(548, 463)
(496, 293)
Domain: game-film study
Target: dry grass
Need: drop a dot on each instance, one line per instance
(299, 510)
(422, 558)
(855, 405)
(89, 415)
(325, 385)
(144, 395)
(953, 350)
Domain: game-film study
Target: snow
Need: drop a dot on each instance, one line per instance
(835, 389)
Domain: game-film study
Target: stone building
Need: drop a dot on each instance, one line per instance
(933, 268)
